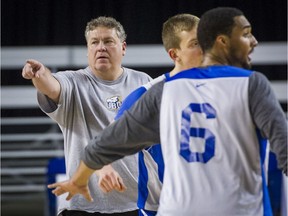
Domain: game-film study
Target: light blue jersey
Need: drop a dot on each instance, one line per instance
(151, 164)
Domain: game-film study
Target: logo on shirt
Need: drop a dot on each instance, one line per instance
(114, 102)
(199, 85)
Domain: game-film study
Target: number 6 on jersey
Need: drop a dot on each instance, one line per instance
(187, 131)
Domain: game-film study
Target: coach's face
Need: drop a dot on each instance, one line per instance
(241, 43)
(105, 51)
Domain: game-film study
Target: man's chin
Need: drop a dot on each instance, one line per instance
(102, 66)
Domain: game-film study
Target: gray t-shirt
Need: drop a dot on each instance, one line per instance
(86, 106)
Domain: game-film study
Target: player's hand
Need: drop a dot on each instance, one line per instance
(32, 69)
(71, 188)
(110, 180)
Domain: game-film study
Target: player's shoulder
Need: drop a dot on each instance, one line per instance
(154, 81)
(210, 72)
(258, 80)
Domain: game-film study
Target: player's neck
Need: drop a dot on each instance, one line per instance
(178, 68)
(212, 59)
(174, 72)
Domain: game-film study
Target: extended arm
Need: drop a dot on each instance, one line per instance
(42, 79)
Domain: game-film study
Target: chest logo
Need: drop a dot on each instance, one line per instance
(114, 103)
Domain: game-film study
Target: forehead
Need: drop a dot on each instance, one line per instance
(102, 32)
(241, 23)
(188, 35)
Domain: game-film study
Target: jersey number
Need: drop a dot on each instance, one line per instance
(187, 131)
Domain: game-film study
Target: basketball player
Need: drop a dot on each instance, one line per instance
(179, 37)
(213, 122)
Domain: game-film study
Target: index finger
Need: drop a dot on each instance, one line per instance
(54, 185)
(32, 62)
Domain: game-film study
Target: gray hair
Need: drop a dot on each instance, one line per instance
(107, 22)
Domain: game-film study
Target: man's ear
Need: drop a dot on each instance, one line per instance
(173, 54)
(222, 40)
(124, 47)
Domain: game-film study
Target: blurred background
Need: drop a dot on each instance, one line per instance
(52, 31)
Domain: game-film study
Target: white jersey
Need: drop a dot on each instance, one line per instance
(210, 123)
(151, 166)
(207, 165)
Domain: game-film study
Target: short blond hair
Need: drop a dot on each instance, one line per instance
(174, 25)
